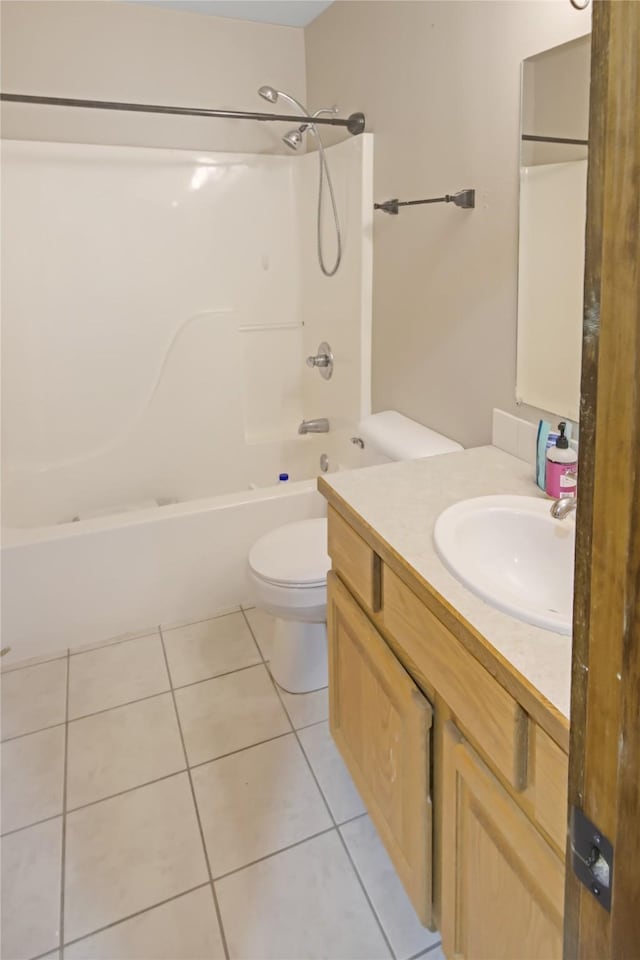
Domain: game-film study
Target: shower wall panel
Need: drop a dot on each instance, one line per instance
(146, 294)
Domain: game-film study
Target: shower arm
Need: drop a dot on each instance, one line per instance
(354, 123)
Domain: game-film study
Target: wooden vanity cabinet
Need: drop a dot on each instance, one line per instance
(381, 724)
(470, 803)
(502, 884)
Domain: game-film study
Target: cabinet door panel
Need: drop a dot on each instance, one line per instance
(381, 724)
(502, 884)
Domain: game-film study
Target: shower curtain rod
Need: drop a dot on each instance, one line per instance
(354, 123)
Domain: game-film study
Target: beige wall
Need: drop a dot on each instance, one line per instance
(126, 51)
(440, 85)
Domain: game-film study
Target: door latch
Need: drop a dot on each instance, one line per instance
(592, 857)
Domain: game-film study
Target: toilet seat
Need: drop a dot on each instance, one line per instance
(293, 556)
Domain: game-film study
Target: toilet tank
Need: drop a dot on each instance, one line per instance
(390, 436)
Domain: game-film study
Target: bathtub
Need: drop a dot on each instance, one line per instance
(75, 583)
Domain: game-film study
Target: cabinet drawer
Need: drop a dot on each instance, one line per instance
(354, 560)
(551, 787)
(490, 716)
(381, 724)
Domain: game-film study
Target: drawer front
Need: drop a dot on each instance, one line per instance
(551, 787)
(490, 716)
(381, 724)
(354, 560)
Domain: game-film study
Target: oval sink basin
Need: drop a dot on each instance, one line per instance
(512, 553)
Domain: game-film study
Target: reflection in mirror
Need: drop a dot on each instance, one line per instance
(553, 177)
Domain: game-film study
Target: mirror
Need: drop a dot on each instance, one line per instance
(553, 178)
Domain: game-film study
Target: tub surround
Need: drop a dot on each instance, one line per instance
(394, 507)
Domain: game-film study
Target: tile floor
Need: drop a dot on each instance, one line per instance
(162, 799)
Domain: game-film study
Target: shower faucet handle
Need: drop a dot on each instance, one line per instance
(323, 360)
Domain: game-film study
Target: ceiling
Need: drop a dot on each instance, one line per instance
(291, 13)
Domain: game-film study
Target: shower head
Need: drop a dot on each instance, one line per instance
(268, 93)
(293, 139)
(273, 95)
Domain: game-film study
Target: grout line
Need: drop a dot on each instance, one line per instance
(425, 953)
(138, 913)
(37, 662)
(329, 811)
(232, 753)
(121, 793)
(163, 628)
(29, 733)
(27, 826)
(63, 863)
(195, 807)
(115, 642)
(216, 676)
(274, 853)
(118, 706)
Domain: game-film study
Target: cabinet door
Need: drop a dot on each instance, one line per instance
(502, 884)
(381, 722)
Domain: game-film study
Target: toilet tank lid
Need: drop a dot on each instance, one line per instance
(293, 555)
(400, 438)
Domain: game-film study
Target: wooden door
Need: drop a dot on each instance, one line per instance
(381, 724)
(604, 759)
(502, 884)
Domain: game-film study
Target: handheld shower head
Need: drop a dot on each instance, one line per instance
(268, 93)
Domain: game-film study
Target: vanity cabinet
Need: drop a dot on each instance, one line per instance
(502, 884)
(466, 789)
(381, 723)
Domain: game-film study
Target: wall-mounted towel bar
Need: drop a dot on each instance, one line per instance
(463, 198)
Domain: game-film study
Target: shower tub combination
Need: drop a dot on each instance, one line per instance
(154, 377)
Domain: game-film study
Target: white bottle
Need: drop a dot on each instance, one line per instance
(561, 460)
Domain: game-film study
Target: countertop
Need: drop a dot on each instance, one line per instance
(401, 501)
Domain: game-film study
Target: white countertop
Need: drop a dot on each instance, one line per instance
(401, 501)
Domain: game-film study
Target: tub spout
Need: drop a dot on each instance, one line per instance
(314, 426)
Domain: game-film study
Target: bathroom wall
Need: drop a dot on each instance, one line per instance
(133, 52)
(440, 85)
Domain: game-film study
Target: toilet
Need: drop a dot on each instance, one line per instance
(288, 566)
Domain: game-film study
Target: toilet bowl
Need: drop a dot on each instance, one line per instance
(288, 566)
(288, 576)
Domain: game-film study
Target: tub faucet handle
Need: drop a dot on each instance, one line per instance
(323, 360)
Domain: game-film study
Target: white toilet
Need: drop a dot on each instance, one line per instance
(288, 566)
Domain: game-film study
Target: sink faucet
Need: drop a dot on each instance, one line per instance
(314, 426)
(565, 505)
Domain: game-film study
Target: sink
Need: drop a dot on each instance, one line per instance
(511, 552)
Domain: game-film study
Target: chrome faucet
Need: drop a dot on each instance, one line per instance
(314, 426)
(560, 509)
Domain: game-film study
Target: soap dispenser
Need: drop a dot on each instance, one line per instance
(561, 460)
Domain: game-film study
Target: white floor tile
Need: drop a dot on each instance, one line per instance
(31, 863)
(397, 916)
(305, 902)
(333, 776)
(122, 748)
(306, 708)
(129, 853)
(116, 674)
(228, 713)
(32, 778)
(183, 929)
(209, 648)
(33, 698)
(256, 802)
(435, 954)
(262, 626)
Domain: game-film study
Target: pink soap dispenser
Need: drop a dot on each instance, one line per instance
(561, 460)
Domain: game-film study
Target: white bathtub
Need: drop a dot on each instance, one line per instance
(77, 583)
(71, 584)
